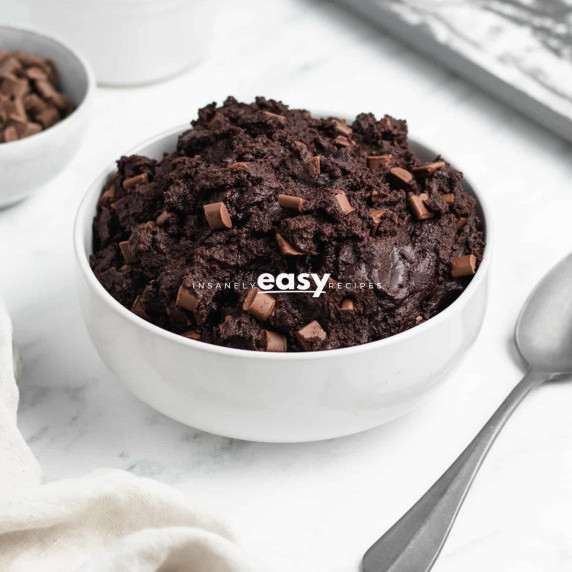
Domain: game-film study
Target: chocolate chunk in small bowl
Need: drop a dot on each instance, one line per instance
(274, 342)
(48, 117)
(464, 266)
(311, 335)
(259, 304)
(217, 216)
(9, 134)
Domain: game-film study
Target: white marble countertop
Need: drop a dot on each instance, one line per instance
(317, 507)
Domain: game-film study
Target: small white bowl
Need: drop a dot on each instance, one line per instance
(274, 397)
(26, 164)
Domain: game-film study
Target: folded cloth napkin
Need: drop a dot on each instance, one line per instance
(106, 521)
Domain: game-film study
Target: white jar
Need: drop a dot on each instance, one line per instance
(129, 42)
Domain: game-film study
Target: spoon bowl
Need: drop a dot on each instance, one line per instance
(544, 328)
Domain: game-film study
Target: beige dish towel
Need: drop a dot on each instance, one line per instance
(106, 521)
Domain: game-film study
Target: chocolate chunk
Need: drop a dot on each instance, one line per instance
(314, 166)
(343, 203)
(187, 299)
(259, 304)
(274, 342)
(449, 198)
(377, 161)
(9, 134)
(417, 204)
(347, 305)
(126, 252)
(9, 65)
(15, 110)
(342, 141)
(27, 128)
(36, 72)
(191, 335)
(61, 101)
(48, 117)
(14, 87)
(240, 166)
(290, 202)
(131, 182)
(217, 216)
(311, 335)
(376, 217)
(34, 103)
(276, 116)
(464, 266)
(164, 218)
(401, 175)
(285, 247)
(45, 88)
(461, 223)
(215, 118)
(108, 194)
(342, 127)
(429, 168)
(138, 309)
(302, 147)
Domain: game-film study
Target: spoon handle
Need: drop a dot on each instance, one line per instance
(414, 542)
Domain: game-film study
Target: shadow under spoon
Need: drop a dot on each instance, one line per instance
(544, 340)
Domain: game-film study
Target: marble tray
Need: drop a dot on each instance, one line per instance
(520, 51)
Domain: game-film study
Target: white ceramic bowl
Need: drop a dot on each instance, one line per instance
(130, 42)
(274, 397)
(26, 164)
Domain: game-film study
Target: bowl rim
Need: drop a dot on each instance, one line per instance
(82, 220)
(80, 106)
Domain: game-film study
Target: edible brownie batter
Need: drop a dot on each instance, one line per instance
(260, 188)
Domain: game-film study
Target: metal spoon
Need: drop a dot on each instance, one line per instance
(544, 339)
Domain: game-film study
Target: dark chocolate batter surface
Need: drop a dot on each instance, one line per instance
(399, 238)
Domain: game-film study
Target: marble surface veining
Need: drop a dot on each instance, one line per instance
(527, 43)
(317, 507)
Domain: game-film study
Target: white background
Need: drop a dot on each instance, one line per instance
(317, 507)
